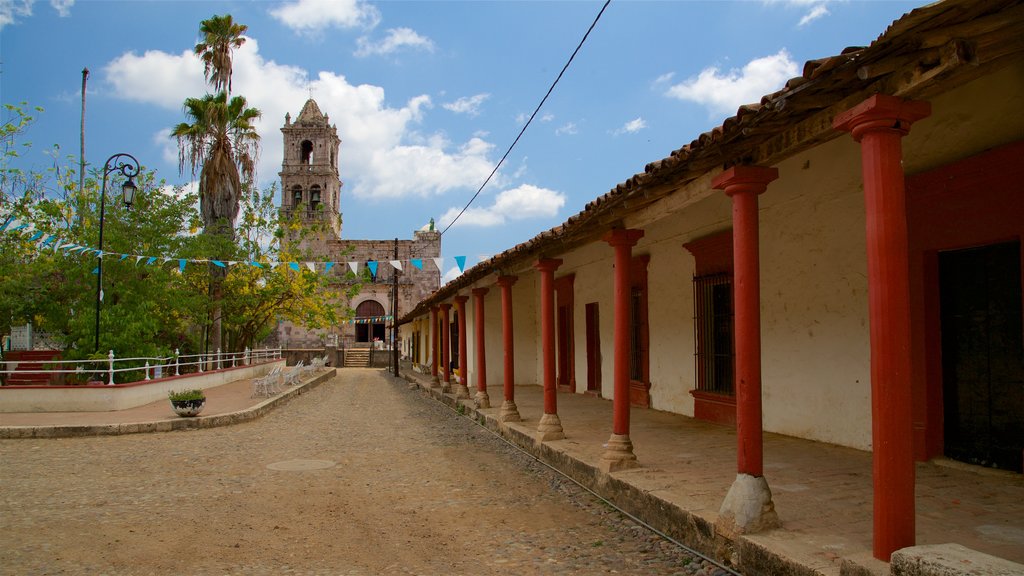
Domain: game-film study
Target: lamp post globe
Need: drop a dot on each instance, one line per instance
(128, 166)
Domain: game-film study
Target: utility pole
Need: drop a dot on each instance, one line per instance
(394, 313)
(80, 205)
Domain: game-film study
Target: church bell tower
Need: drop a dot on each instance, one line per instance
(310, 185)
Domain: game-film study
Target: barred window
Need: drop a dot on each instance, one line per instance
(713, 327)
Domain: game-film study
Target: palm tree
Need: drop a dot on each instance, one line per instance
(222, 138)
(220, 36)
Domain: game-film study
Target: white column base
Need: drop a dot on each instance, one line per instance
(549, 428)
(509, 412)
(748, 507)
(618, 454)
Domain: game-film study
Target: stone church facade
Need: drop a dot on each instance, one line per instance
(311, 190)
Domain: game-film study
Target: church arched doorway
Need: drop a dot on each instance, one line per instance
(369, 321)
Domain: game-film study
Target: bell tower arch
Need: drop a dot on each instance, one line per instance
(310, 184)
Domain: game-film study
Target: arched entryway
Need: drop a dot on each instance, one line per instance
(369, 321)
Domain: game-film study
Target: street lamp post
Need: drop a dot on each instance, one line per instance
(128, 166)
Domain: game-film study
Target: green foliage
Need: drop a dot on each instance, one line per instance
(186, 395)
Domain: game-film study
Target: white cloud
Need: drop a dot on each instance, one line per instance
(664, 78)
(816, 12)
(11, 10)
(567, 128)
(817, 8)
(313, 16)
(467, 104)
(383, 154)
(521, 203)
(724, 92)
(451, 274)
(63, 7)
(632, 127)
(396, 39)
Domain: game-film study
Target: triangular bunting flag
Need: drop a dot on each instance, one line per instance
(354, 267)
(150, 260)
(181, 264)
(328, 266)
(396, 264)
(439, 262)
(123, 256)
(461, 261)
(311, 266)
(256, 264)
(138, 259)
(218, 263)
(417, 262)
(373, 267)
(293, 266)
(35, 236)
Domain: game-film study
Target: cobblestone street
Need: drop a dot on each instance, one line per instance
(360, 476)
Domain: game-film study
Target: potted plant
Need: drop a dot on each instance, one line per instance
(187, 402)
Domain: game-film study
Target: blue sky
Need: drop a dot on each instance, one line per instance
(427, 96)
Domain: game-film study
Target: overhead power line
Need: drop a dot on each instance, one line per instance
(532, 116)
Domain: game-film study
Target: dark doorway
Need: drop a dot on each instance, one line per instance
(453, 343)
(983, 355)
(369, 321)
(593, 328)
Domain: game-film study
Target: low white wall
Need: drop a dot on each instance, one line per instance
(119, 396)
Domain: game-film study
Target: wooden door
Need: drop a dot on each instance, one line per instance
(983, 355)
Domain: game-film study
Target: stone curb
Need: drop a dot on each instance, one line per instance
(740, 553)
(197, 422)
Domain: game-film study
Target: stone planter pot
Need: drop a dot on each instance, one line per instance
(187, 408)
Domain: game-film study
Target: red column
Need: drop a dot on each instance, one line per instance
(550, 427)
(446, 381)
(618, 454)
(879, 124)
(435, 347)
(509, 410)
(462, 388)
(481, 399)
(743, 184)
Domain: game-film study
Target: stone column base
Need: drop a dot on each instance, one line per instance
(549, 428)
(618, 454)
(482, 400)
(446, 387)
(435, 382)
(509, 412)
(461, 391)
(748, 507)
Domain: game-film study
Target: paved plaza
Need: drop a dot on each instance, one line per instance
(358, 475)
(362, 441)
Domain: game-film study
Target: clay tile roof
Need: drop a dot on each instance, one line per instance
(823, 83)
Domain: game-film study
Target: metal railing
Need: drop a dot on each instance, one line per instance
(113, 370)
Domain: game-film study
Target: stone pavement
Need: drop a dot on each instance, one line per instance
(822, 492)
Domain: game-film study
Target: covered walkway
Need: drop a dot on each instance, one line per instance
(822, 492)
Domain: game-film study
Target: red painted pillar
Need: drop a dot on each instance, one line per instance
(879, 124)
(618, 453)
(481, 399)
(743, 184)
(446, 381)
(435, 347)
(462, 387)
(748, 506)
(550, 427)
(509, 410)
